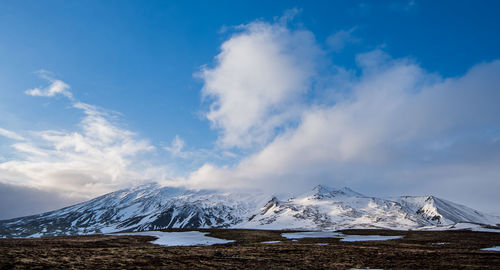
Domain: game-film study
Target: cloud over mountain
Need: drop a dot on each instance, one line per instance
(392, 125)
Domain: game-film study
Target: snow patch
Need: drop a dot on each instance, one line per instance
(440, 243)
(495, 248)
(459, 226)
(190, 238)
(343, 237)
(359, 238)
(300, 235)
(270, 242)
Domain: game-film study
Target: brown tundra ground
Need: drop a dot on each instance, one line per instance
(417, 250)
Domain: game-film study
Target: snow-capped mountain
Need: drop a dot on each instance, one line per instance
(151, 206)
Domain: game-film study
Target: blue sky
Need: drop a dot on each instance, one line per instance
(158, 76)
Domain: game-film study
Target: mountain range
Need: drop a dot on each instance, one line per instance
(152, 206)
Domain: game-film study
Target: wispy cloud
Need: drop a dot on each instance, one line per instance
(193, 157)
(10, 134)
(56, 87)
(403, 6)
(176, 147)
(98, 157)
(337, 41)
(288, 16)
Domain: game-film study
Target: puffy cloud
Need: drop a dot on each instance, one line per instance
(56, 87)
(397, 129)
(257, 79)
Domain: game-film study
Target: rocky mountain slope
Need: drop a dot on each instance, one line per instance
(151, 207)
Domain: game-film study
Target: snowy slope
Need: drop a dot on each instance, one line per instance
(151, 206)
(325, 208)
(146, 207)
(437, 211)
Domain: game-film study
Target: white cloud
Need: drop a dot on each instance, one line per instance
(260, 74)
(97, 158)
(56, 87)
(10, 134)
(382, 135)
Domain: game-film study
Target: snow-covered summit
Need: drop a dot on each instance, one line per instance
(151, 206)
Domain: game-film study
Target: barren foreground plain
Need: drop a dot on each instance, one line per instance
(417, 250)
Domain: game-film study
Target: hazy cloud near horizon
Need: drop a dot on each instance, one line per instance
(19, 200)
(392, 128)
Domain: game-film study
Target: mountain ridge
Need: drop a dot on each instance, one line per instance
(151, 207)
